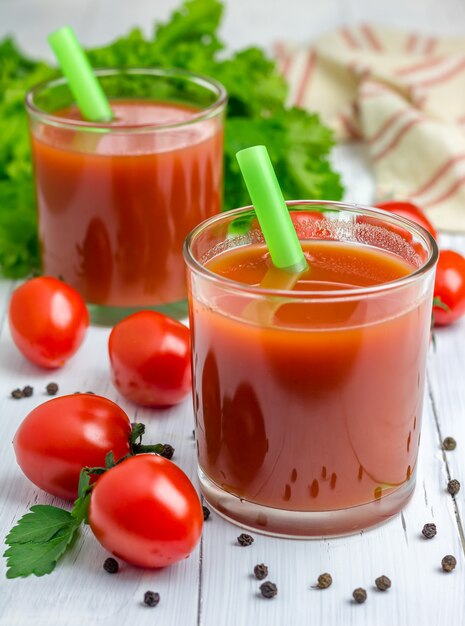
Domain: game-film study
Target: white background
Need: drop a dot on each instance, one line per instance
(246, 22)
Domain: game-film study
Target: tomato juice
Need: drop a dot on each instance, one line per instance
(115, 202)
(309, 403)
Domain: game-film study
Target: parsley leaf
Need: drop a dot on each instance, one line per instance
(44, 534)
(38, 540)
(297, 141)
(28, 558)
(41, 524)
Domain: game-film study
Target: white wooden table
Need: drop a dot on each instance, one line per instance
(215, 586)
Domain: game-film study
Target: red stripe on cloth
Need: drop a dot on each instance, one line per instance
(352, 131)
(438, 174)
(373, 91)
(371, 37)
(447, 194)
(284, 59)
(279, 52)
(423, 65)
(360, 69)
(439, 79)
(387, 124)
(396, 139)
(430, 45)
(286, 66)
(411, 42)
(348, 38)
(306, 76)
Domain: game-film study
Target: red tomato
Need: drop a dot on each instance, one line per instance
(310, 224)
(60, 437)
(449, 287)
(410, 211)
(48, 320)
(146, 511)
(150, 359)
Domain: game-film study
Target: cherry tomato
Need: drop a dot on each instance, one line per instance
(48, 320)
(146, 511)
(150, 359)
(310, 224)
(410, 211)
(60, 437)
(449, 287)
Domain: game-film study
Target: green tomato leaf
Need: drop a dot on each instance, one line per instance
(80, 510)
(84, 482)
(109, 460)
(137, 432)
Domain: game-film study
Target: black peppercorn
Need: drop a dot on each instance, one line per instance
(260, 571)
(167, 451)
(28, 391)
(244, 539)
(268, 589)
(324, 581)
(51, 389)
(448, 563)
(206, 513)
(151, 598)
(429, 531)
(92, 393)
(111, 565)
(17, 394)
(383, 583)
(453, 487)
(359, 595)
(449, 443)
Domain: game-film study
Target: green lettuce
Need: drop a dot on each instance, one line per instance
(298, 143)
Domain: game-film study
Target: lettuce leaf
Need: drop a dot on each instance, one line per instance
(298, 143)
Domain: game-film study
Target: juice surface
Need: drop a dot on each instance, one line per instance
(311, 407)
(114, 208)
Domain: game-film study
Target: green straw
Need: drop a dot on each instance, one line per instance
(83, 83)
(268, 201)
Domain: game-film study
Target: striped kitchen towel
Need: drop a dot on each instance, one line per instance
(401, 93)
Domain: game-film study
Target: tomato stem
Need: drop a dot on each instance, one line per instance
(163, 449)
(136, 434)
(437, 302)
(137, 447)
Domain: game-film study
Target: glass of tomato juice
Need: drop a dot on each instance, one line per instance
(308, 395)
(116, 200)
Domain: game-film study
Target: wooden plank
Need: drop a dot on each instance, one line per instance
(421, 593)
(80, 591)
(446, 369)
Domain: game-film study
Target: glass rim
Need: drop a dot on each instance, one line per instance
(331, 294)
(204, 113)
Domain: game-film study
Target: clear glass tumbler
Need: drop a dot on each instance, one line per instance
(116, 200)
(308, 397)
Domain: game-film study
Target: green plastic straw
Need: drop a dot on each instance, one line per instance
(268, 201)
(83, 83)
